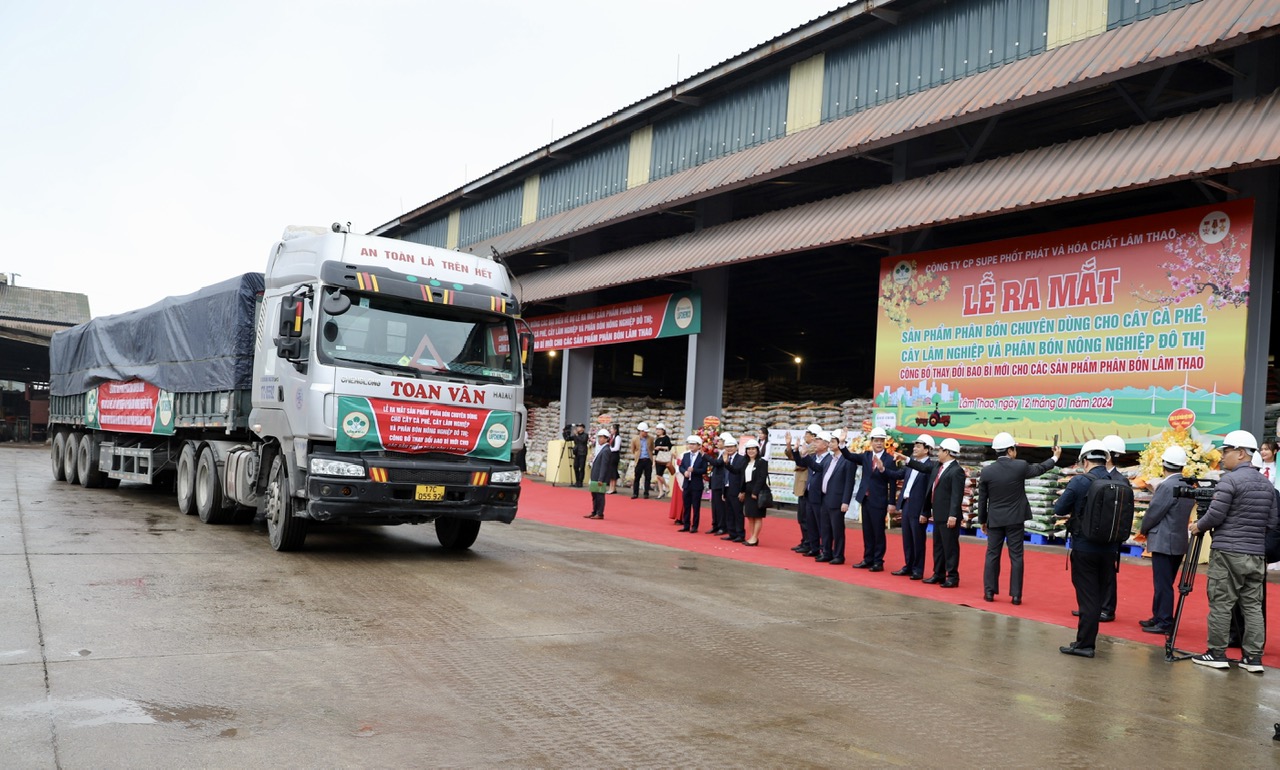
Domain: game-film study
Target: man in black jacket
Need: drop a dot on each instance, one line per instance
(1003, 511)
(911, 500)
(580, 441)
(946, 491)
(1243, 509)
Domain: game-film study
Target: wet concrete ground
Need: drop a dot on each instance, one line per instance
(134, 637)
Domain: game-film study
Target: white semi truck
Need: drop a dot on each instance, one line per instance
(360, 380)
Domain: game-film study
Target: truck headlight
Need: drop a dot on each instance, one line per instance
(505, 477)
(322, 466)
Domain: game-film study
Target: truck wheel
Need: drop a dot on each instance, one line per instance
(285, 530)
(456, 534)
(70, 455)
(87, 464)
(56, 450)
(208, 489)
(186, 480)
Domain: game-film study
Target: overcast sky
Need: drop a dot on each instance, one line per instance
(150, 148)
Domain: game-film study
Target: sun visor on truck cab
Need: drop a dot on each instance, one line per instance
(374, 280)
(191, 344)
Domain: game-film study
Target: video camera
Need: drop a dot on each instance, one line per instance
(567, 433)
(1200, 490)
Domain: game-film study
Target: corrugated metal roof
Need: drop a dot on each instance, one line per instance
(40, 312)
(1223, 138)
(1155, 42)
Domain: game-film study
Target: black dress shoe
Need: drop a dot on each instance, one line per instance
(809, 553)
(1148, 623)
(864, 564)
(916, 576)
(1016, 600)
(1158, 629)
(1106, 617)
(932, 580)
(822, 558)
(1075, 613)
(683, 529)
(876, 568)
(727, 537)
(800, 549)
(901, 572)
(693, 531)
(738, 540)
(1072, 649)
(988, 596)
(836, 562)
(635, 497)
(951, 584)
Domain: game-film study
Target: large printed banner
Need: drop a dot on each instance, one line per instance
(1125, 327)
(671, 315)
(130, 407)
(373, 424)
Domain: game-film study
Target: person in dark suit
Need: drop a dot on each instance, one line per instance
(808, 521)
(1165, 525)
(716, 482)
(692, 467)
(875, 492)
(915, 488)
(1003, 511)
(733, 463)
(600, 470)
(946, 491)
(837, 494)
(816, 463)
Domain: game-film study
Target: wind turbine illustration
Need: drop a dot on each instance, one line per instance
(1186, 387)
(1213, 403)
(1153, 399)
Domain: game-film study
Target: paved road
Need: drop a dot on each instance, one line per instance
(136, 637)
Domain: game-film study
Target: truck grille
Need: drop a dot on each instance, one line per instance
(417, 476)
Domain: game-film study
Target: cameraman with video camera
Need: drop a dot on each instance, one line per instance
(1243, 508)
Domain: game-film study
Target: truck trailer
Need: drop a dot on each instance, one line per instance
(359, 380)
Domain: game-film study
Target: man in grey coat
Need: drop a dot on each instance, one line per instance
(1003, 511)
(1243, 508)
(1165, 525)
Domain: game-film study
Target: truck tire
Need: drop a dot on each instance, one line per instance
(91, 476)
(70, 455)
(186, 479)
(456, 534)
(56, 450)
(208, 490)
(285, 530)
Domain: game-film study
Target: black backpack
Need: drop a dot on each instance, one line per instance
(1108, 512)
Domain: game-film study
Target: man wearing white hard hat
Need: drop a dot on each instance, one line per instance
(806, 514)
(1243, 508)
(1003, 511)
(689, 473)
(1115, 447)
(724, 464)
(875, 492)
(1092, 563)
(1165, 525)
(946, 492)
(642, 450)
(911, 501)
(599, 474)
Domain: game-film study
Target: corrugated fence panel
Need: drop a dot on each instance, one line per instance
(492, 216)
(1121, 12)
(744, 118)
(589, 178)
(956, 41)
(434, 233)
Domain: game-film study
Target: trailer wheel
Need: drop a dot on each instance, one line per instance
(56, 450)
(186, 480)
(285, 530)
(208, 488)
(87, 463)
(456, 534)
(70, 455)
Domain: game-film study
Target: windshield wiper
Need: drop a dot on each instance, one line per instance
(388, 368)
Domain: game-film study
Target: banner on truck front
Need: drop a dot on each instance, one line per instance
(1124, 327)
(129, 407)
(372, 424)
(670, 315)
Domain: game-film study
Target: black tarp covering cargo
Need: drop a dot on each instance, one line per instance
(191, 344)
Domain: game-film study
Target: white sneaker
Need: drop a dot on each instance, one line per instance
(1251, 664)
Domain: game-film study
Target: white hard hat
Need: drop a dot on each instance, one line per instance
(1174, 456)
(1240, 439)
(823, 435)
(729, 440)
(1113, 444)
(814, 429)
(1256, 460)
(878, 433)
(1093, 449)
(1002, 441)
(951, 445)
(659, 426)
(603, 432)
(694, 440)
(643, 427)
(926, 439)
(750, 443)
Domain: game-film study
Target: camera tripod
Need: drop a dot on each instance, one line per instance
(1186, 582)
(566, 456)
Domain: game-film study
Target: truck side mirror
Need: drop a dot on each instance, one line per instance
(335, 302)
(289, 333)
(526, 356)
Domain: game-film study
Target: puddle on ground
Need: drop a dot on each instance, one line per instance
(95, 712)
(687, 562)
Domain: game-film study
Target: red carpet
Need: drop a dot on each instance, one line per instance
(1047, 593)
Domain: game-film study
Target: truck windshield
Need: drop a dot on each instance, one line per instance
(439, 340)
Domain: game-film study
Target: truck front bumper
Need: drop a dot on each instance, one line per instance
(391, 492)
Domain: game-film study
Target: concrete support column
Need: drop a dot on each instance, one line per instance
(577, 369)
(704, 388)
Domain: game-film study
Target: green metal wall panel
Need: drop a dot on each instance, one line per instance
(744, 118)
(492, 216)
(583, 180)
(1121, 12)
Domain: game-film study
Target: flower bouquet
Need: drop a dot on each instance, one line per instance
(1202, 456)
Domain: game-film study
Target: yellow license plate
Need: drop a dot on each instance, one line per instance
(429, 493)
